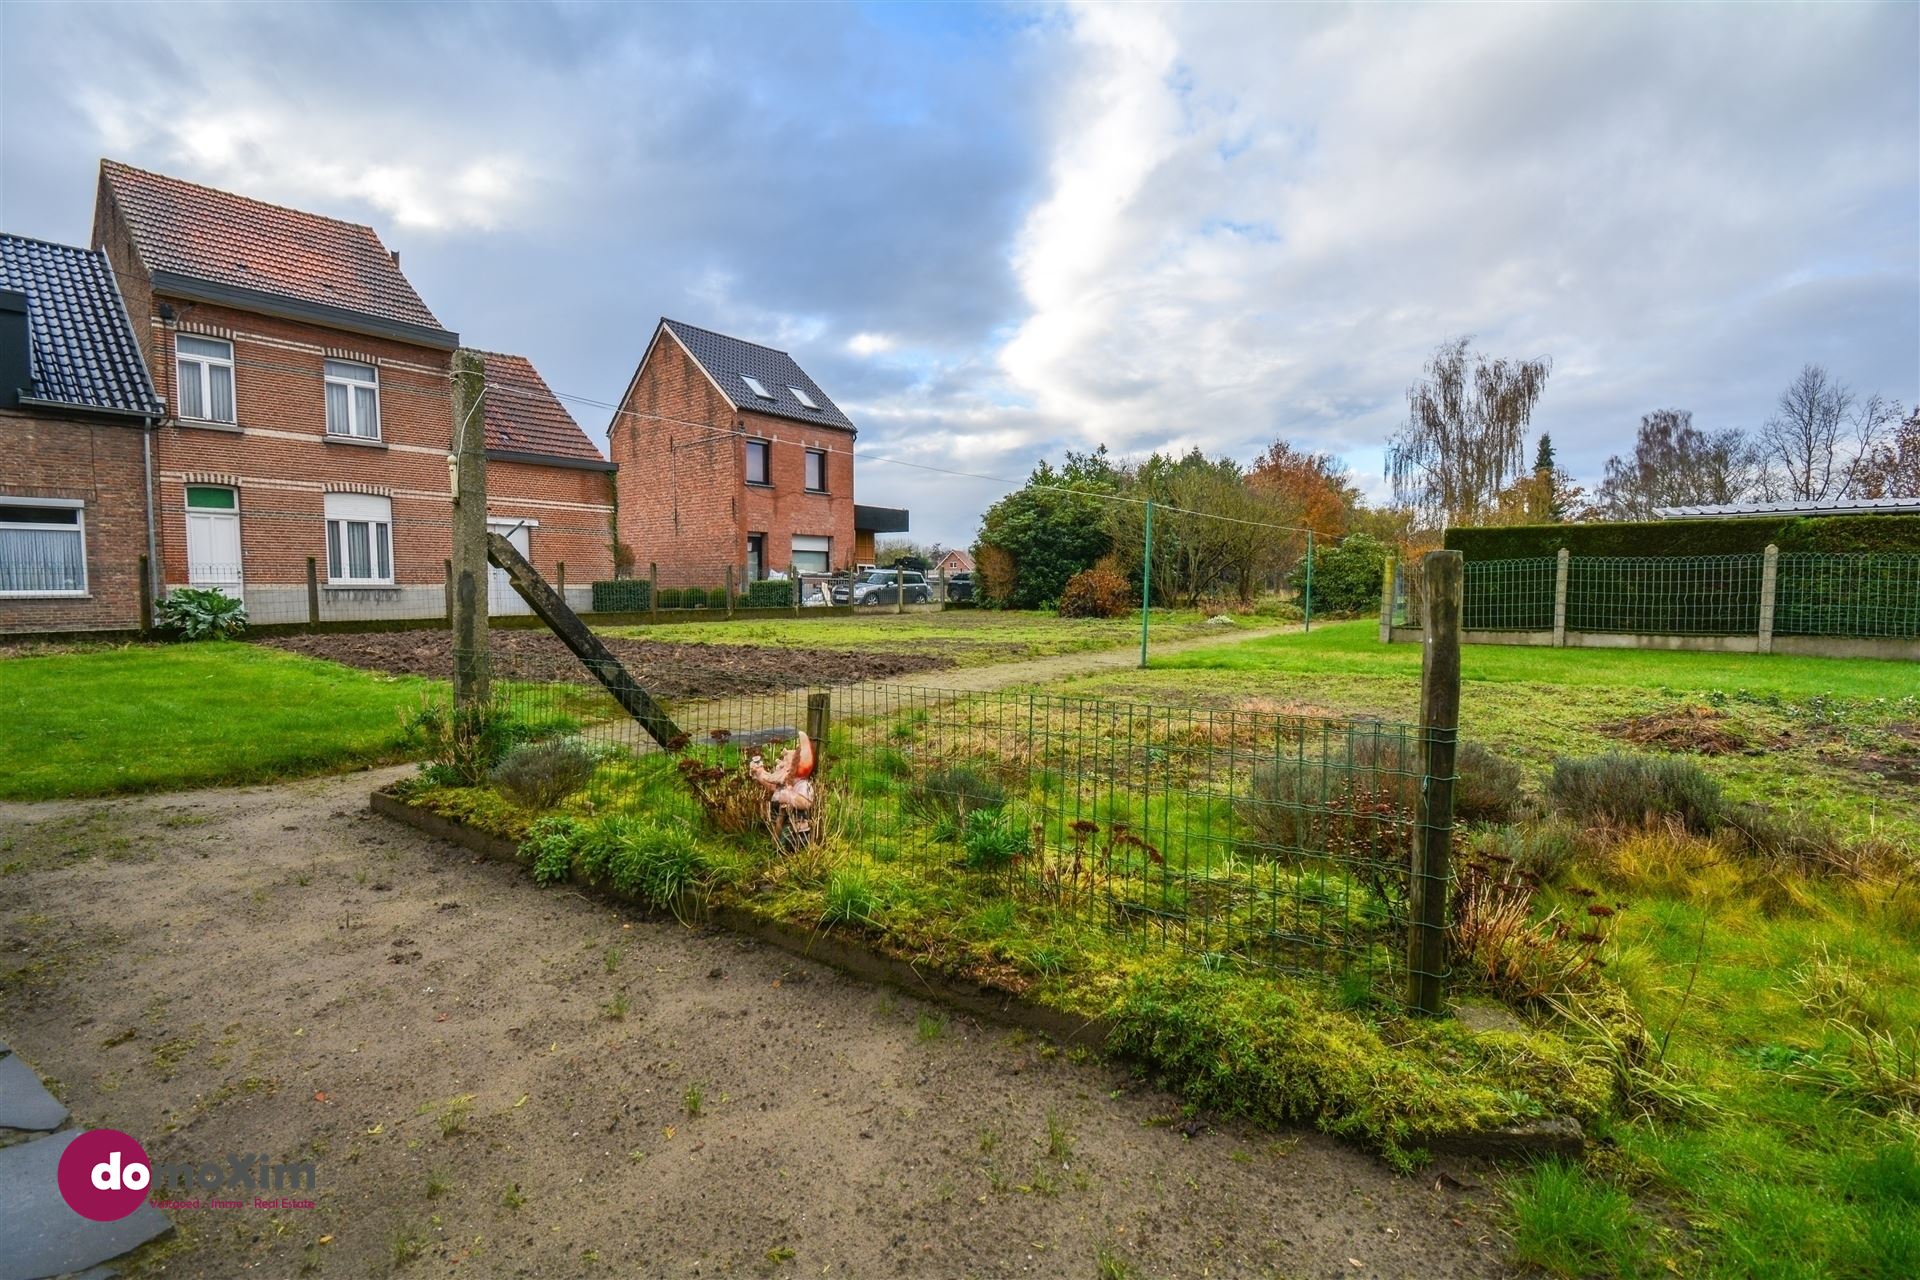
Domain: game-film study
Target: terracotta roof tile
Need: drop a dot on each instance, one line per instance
(524, 416)
(232, 240)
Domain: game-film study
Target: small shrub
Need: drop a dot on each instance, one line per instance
(550, 847)
(1636, 791)
(732, 801)
(769, 594)
(954, 791)
(672, 598)
(992, 840)
(1098, 592)
(203, 613)
(1357, 804)
(539, 775)
(656, 863)
(461, 744)
(1544, 850)
(1487, 786)
(717, 597)
(622, 595)
(1496, 941)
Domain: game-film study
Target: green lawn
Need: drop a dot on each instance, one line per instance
(970, 637)
(167, 717)
(1788, 1002)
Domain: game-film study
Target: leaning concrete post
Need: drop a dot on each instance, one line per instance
(1562, 570)
(470, 676)
(1388, 568)
(1443, 573)
(1769, 583)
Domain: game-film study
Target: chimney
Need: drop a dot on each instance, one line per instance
(395, 253)
(16, 350)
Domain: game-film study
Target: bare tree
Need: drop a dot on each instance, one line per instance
(1814, 445)
(1466, 432)
(1675, 464)
(1892, 469)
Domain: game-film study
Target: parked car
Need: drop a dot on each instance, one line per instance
(883, 586)
(960, 586)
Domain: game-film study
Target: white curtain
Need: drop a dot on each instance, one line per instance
(221, 378)
(42, 560)
(192, 401)
(337, 423)
(366, 403)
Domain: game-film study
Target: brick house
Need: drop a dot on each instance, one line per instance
(76, 406)
(732, 457)
(309, 411)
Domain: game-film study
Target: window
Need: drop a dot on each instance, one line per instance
(206, 378)
(811, 554)
(817, 470)
(756, 556)
(353, 400)
(43, 547)
(803, 397)
(359, 540)
(757, 469)
(756, 386)
(207, 498)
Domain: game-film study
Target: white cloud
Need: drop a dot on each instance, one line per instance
(869, 344)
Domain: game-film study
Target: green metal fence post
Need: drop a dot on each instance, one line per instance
(1309, 602)
(1146, 584)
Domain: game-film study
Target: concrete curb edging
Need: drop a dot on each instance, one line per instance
(1531, 1140)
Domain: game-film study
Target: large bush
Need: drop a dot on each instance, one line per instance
(769, 594)
(1098, 592)
(1040, 535)
(203, 613)
(1346, 577)
(1833, 534)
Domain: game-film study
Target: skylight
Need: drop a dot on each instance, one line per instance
(754, 385)
(803, 397)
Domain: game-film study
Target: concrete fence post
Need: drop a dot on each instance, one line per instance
(943, 586)
(1769, 584)
(729, 591)
(449, 566)
(146, 595)
(1388, 569)
(313, 591)
(1563, 567)
(653, 591)
(793, 576)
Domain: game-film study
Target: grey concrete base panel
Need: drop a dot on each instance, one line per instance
(44, 1237)
(24, 1101)
(1889, 650)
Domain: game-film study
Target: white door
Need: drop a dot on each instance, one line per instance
(213, 551)
(501, 597)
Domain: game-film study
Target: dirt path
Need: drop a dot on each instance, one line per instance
(496, 1080)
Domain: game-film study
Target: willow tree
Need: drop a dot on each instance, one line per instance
(1466, 432)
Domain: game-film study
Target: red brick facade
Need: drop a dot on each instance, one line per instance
(684, 500)
(280, 461)
(97, 463)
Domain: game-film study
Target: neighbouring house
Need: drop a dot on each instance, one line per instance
(309, 411)
(955, 561)
(731, 457)
(76, 405)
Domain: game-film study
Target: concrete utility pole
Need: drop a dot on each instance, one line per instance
(469, 478)
(1440, 600)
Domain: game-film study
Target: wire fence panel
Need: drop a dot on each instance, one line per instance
(1509, 595)
(1261, 839)
(1665, 595)
(1866, 596)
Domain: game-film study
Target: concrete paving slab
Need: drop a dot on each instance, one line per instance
(24, 1101)
(44, 1237)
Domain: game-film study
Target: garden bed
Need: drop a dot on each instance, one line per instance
(668, 670)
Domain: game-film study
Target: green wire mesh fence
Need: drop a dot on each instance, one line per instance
(1253, 838)
(1509, 595)
(1869, 596)
(1665, 595)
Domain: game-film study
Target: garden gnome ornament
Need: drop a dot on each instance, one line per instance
(789, 788)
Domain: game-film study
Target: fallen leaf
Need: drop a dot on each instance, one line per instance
(376, 1129)
(522, 1102)
(320, 1096)
(326, 1239)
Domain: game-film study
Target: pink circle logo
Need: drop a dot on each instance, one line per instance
(104, 1175)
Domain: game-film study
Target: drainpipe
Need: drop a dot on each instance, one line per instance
(154, 576)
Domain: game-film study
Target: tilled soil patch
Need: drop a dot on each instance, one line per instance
(667, 670)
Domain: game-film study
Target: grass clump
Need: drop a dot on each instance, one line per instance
(539, 775)
(852, 897)
(1569, 1223)
(956, 791)
(992, 840)
(1278, 1055)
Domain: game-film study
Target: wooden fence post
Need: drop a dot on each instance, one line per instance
(146, 595)
(313, 591)
(653, 591)
(1769, 584)
(1562, 571)
(899, 589)
(1388, 569)
(1429, 885)
(943, 586)
(449, 565)
(470, 571)
(729, 591)
(819, 721)
(793, 576)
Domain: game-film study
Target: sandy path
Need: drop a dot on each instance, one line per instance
(276, 970)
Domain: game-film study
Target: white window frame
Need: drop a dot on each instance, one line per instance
(756, 386)
(345, 510)
(202, 367)
(80, 524)
(330, 378)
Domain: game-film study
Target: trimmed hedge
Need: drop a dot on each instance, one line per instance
(768, 594)
(1833, 534)
(622, 595)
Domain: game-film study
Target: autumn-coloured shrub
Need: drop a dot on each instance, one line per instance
(1096, 593)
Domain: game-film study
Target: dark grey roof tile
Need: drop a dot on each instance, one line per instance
(84, 352)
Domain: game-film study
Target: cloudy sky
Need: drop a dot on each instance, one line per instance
(995, 233)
